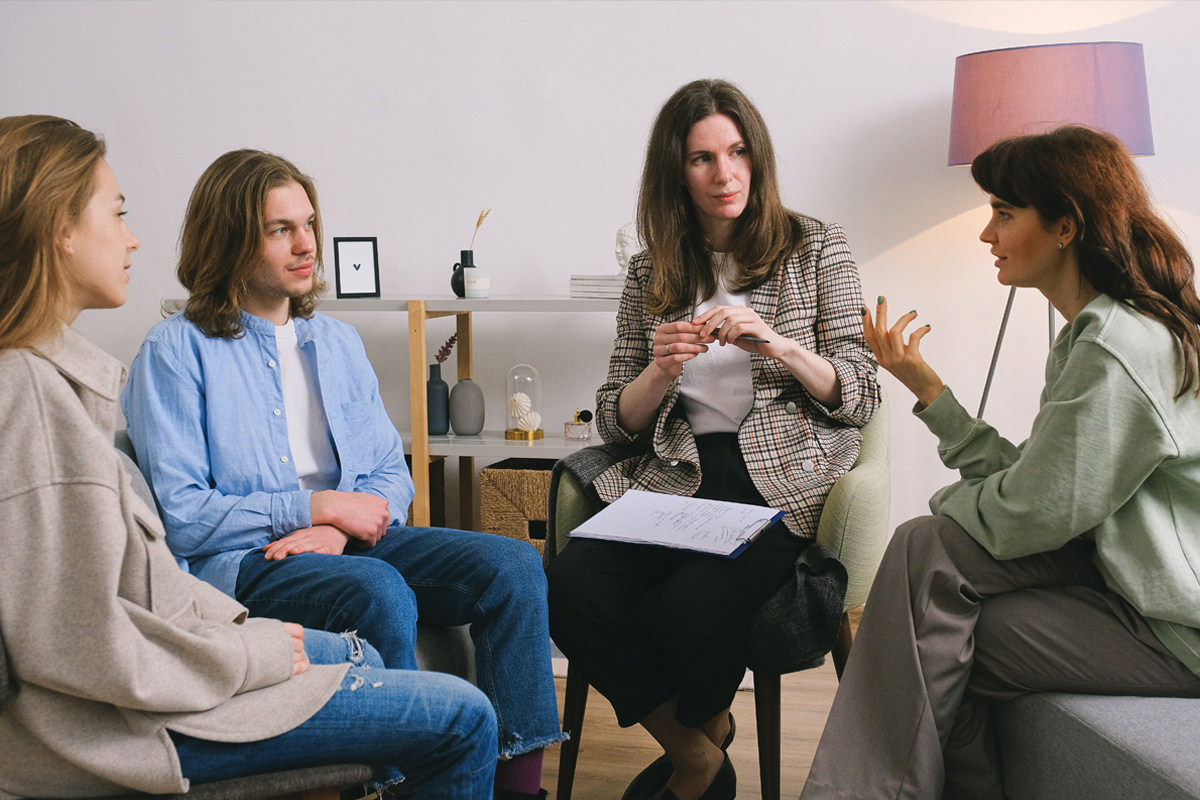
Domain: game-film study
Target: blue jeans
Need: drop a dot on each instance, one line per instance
(428, 735)
(451, 577)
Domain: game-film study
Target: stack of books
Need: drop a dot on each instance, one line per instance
(601, 287)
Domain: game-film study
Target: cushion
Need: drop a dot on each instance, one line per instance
(1065, 746)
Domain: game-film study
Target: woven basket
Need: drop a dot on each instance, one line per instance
(514, 497)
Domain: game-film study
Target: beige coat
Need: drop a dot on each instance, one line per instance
(109, 645)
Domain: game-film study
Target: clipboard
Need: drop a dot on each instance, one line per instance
(716, 527)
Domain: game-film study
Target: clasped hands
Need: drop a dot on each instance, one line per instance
(678, 342)
(337, 518)
(899, 357)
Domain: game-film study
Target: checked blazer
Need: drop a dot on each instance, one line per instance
(793, 445)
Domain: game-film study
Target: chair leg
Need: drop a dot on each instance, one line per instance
(841, 647)
(574, 704)
(766, 713)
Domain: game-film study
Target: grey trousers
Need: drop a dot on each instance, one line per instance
(948, 628)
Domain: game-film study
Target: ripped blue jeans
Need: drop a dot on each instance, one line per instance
(426, 734)
(451, 577)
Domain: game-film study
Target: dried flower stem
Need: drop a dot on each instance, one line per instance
(482, 216)
(444, 352)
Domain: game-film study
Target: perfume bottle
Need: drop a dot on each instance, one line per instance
(580, 428)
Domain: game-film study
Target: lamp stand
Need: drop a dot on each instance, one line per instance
(987, 386)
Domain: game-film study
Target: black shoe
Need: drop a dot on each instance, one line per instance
(650, 780)
(507, 795)
(732, 730)
(654, 777)
(723, 786)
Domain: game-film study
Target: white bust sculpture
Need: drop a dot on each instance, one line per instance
(628, 244)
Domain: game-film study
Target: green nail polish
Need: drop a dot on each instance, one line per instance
(880, 300)
(913, 311)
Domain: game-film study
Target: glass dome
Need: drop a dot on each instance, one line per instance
(524, 417)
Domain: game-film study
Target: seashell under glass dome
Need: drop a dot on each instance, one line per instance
(524, 403)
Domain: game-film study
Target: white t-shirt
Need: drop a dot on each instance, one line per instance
(308, 427)
(716, 388)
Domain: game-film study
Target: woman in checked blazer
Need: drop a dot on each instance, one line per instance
(740, 373)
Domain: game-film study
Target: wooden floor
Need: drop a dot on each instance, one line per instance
(609, 756)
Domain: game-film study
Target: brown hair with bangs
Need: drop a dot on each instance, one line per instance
(220, 246)
(1125, 250)
(766, 233)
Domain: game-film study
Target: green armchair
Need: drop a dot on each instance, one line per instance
(853, 525)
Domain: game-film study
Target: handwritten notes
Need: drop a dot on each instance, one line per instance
(688, 523)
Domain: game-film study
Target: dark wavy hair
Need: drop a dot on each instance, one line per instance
(47, 176)
(220, 246)
(766, 233)
(1125, 250)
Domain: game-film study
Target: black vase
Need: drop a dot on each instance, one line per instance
(437, 397)
(457, 283)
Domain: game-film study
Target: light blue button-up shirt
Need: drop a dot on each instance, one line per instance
(209, 425)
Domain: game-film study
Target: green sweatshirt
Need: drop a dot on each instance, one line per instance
(1112, 456)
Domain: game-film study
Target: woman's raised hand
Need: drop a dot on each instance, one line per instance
(899, 357)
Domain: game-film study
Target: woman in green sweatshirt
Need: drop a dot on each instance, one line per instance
(1070, 562)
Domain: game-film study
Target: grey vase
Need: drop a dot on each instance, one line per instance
(466, 408)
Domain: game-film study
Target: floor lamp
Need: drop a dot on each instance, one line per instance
(1022, 90)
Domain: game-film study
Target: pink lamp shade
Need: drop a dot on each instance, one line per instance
(1024, 90)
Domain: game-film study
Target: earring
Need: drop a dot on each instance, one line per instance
(1060, 245)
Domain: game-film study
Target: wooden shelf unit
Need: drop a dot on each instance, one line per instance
(488, 444)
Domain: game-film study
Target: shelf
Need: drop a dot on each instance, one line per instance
(492, 445)
(468, 448)
(456, 305)
(449, 305)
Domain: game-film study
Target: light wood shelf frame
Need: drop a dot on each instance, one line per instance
(489, 444)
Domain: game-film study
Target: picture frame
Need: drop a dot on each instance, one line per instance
(356, 266)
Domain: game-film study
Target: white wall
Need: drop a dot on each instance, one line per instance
(413, 116)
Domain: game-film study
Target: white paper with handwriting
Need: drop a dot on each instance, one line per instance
(687, 523)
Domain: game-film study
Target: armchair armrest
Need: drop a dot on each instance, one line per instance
(854, 521)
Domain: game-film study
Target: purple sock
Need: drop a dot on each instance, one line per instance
(521, 773)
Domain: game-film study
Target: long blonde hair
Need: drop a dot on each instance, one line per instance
(47, 176)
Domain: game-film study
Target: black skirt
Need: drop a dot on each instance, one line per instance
(646, 624)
